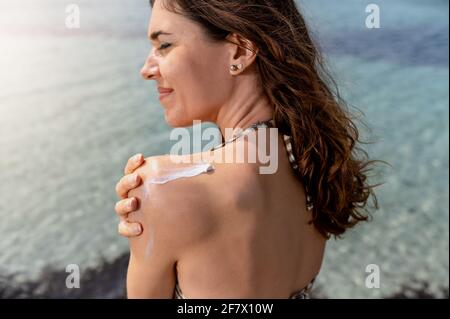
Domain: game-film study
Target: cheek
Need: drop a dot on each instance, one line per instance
(199, 81)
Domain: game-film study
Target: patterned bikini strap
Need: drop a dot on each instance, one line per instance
(251, 128)
(293, 161)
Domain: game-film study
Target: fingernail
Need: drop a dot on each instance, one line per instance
(136, 229)
(131, 203)
(137, 158)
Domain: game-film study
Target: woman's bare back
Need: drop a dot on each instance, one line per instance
(257, 240)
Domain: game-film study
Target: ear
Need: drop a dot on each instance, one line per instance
(242, 53)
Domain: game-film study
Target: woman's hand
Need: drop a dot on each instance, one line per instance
(127, 205)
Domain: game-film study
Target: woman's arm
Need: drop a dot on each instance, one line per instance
(151, 269)
(148, 277)
(174, 217)
(153, 254)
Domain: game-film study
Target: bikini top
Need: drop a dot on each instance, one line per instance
(301, 294)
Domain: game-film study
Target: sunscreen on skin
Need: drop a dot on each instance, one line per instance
(166, 175)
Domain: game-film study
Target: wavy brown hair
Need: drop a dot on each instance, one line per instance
(306, 101)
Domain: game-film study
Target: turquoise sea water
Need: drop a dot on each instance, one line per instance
(73, 109)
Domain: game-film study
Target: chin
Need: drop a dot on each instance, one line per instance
(174, 121)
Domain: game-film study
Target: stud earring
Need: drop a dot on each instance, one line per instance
(235, 67)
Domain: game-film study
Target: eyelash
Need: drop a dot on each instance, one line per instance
(164, 46)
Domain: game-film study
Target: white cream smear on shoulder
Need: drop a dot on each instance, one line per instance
(166, 175)
(168, 172)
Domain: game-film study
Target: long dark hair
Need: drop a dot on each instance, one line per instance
(306, 101)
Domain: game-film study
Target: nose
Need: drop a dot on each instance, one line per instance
(150, 70)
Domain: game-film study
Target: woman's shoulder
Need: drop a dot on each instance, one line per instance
(194, 170)
(180, 206)
(186, 184)
(172, 177)
(187, 199)
(174, 171)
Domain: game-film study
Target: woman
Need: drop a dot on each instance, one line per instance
(233, 232)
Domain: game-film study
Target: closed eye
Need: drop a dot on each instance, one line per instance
(164, 46)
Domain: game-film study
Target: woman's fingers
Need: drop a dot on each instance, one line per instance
(127, 229)
(126, 206)
(123, 208)
(133, 163)
(127, 183)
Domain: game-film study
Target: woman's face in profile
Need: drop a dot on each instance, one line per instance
(183, 59)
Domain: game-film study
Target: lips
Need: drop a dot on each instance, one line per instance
(163, 92)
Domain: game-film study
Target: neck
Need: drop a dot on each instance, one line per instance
(243, 113)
